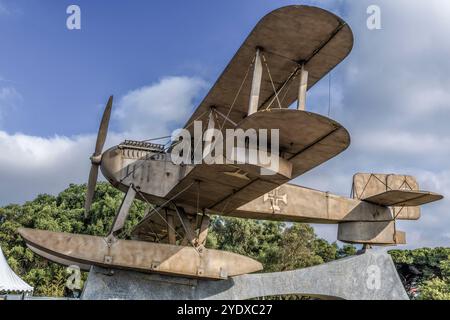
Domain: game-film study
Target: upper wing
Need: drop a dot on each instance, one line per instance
(306, 140)
(288, 37)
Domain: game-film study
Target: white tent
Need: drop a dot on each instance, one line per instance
(9, 281)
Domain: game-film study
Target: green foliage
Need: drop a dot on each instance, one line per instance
(425, 272)
(296, 249)
(435, 289)
(63, 213)
(256, 239)
(278, 246)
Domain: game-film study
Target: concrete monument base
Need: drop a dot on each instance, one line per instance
(369, 276)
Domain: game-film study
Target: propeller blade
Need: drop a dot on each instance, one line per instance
(90, 189)
(103, 130)
(96, 157)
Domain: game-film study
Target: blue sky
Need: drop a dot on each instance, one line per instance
(123, 45)
(159, 59)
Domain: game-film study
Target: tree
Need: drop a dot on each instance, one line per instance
(278, 246)
(435, 289)
(346, 251)
(296, 249)
(256, 239)
(425, 272)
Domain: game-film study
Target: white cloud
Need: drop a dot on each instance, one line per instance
(9, 98)
(396, 106)
(386, 141)
(392, 94)
(30, 165)
(8, 93)
(157, 109)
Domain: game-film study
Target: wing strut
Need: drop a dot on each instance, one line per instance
(256, 84)
(122, 214)
(301, 103)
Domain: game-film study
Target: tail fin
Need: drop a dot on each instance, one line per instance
(401, 192)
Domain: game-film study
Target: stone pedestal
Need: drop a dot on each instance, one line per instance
(369, 276)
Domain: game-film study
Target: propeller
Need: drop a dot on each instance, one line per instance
(96, 158)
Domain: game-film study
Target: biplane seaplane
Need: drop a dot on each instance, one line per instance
(287, 53)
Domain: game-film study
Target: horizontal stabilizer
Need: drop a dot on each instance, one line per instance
(403, 198)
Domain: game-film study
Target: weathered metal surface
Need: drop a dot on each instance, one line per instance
(209, 187)
(366, 185)
(171, 231)
(406, 213)
(158, 179)
(403, 198)
(203, 231)
(370, 276)
(150, 170)
(154, 227)
(124, 210)
(374, 233)
(57, 259)
(289, 38)
(315, 140)
(298, 204)
(138, 255)
(223, 192)
(401, 192)
(288, 41)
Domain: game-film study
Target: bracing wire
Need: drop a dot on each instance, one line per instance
(329, 95)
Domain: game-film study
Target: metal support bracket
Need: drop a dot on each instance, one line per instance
(209, 134)
(187, 226)
(122, 214)
(172, 238)
(203, 231)
(256, 84)
(303, 87)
